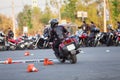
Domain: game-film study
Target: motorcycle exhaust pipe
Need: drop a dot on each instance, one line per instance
(77, 51)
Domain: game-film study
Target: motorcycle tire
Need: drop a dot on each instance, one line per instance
(95, 43)
(2, 48)
(20, 47)
(12, 48)
(40, 43)
(73, 59)
(108, 43)
(116, 42)
(31, 46)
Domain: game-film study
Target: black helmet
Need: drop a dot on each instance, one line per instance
(53, 22)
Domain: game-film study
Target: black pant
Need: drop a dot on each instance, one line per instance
(56, 47)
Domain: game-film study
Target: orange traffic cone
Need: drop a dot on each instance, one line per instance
(27, 53)
(50, 62)
(8, 61)
(47, 62)
(31, 68)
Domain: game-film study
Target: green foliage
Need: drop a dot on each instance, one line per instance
(46, 16)
(54, 3)
(29, 22)
(24, 17)
(35, 18)
(116, 9)
(70, 9)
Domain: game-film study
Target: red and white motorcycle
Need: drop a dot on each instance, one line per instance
(69, 48)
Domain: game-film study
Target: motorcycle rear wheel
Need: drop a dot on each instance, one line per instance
(73, 59)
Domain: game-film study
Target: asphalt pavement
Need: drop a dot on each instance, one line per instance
(93, 63)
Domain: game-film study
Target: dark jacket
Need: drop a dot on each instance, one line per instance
(58, 33)
(85, 27)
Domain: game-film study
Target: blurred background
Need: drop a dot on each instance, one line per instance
(32, 16)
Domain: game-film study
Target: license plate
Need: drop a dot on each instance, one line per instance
(71, 47)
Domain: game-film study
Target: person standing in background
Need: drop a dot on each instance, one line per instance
(10, 33)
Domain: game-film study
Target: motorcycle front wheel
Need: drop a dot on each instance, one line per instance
(40, 43)
(95, 43)
(117, 42)
(12, 48)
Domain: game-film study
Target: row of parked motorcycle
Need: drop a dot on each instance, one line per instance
(23, 42)
(97, 38)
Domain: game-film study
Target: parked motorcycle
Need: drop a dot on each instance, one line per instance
(110, 38)
(43, 42)
(83, 38)
(117, 34)
(20, 43)
(26, 43)
(12, 43)
(92, 37)
(100, 39)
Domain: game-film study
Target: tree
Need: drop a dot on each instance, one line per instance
(116, 9)
(36, 20)
(46, 14)
(70, 9)
(5, 23)
(24, 18)
(57, 4)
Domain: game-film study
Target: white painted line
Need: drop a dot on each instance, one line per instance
(82, 51)
(29, 61)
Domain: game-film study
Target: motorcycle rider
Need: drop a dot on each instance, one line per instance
(93, 29)
(10, 33)
(93, 32)
(85, 27)
(57, 34)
